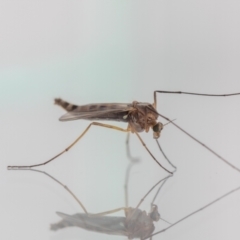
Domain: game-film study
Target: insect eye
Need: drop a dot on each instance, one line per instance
(156, 128)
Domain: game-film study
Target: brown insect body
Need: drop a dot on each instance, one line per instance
(136, 224)
(140, 116)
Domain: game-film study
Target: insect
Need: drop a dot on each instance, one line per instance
(139, 116)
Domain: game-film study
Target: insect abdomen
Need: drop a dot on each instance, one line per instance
(65, 105)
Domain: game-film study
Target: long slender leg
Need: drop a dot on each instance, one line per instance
(84, 132)
(143, 143)
(72, 144)
(190, 93)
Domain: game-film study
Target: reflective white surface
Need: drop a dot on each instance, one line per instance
(118, 51)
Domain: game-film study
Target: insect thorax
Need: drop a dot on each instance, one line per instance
(138, 223)
(143, 116)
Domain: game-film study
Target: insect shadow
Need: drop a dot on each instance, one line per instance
(140, 117)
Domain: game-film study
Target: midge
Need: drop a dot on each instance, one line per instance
(139, 116)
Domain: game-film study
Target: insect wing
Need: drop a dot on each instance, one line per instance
(107, 109)
(102, 224)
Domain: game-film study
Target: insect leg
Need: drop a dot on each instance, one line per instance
(144, 144)
(190, 93)
(71, 145)
(84, 132)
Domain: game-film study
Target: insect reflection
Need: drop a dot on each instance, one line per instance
(140, 117)
(135, 224)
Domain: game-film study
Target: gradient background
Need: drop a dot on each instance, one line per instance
(118, 51)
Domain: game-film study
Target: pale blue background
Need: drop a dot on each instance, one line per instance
(118, 51)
